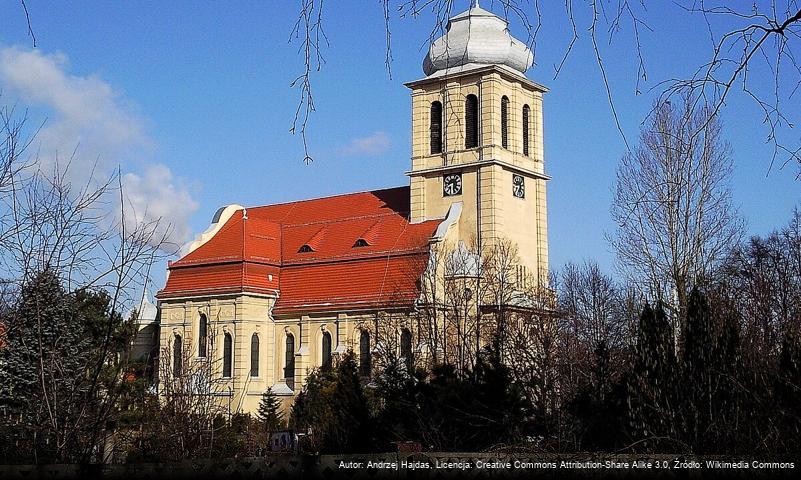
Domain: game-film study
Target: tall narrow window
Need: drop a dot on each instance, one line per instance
(326, 363)
(228, 353)
(365, 364)
(202, 330)
(526, 115)
(406, 348)
(289, 364)
(436, 127)
(471, 122)
(254, 355)
(505, 121)
(177, 356)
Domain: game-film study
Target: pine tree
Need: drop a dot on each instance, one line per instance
(270, 411)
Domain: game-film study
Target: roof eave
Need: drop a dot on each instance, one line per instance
(457, 72)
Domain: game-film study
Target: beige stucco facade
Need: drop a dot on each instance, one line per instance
(490, 210)
(242, 317)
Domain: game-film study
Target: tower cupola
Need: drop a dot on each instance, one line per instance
(474, 38)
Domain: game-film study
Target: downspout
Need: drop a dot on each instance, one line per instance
(478, 215)
(480, 159)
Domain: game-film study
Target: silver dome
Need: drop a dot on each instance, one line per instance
(479, 37)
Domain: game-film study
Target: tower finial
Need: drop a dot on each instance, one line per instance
(475, 4)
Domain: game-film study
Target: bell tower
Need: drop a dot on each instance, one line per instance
(477, 138)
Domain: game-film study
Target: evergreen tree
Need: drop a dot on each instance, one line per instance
(40, 367)
(710, 371)
(270, 411)
(652, 402)
(600, 407)
(697, 370)
(58, 371)
(496, 399)
(333, 406)
(394, 404)
(350, 422)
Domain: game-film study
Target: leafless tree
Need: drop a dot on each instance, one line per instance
(594, 323)
(192, 394)
(672, 205)
(48, 224)
(530, 348)
(764, 275)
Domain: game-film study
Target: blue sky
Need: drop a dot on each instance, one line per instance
(201, 92)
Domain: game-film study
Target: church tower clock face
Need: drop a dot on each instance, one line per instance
(518, 186)
(452, 184)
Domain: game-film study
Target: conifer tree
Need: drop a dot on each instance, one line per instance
(58, 369)
(394, 403)
(349, 427)
(652, 403)
(270, 411)
(497, 398)
(697, 369)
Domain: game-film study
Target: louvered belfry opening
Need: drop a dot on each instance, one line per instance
(526, 115)
(471, 121)
(505, 121)
(436, 127)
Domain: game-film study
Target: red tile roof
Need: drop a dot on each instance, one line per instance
(262, 253)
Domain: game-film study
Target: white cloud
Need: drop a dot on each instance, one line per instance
(374, 144)
(87, 116)
(155, 195)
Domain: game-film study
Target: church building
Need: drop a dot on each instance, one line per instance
(271, 292)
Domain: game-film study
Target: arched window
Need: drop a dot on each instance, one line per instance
(526, 115)
(471, 122)
(326, 363)
(202, 336)
(365, 363)
(254, 355)
(228, 353)
(177, 357)
(406, 348)
(505, 121)
(289, 364)
(436, 127)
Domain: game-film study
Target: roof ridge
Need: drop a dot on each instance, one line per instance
(343, 219)
(327, 197)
